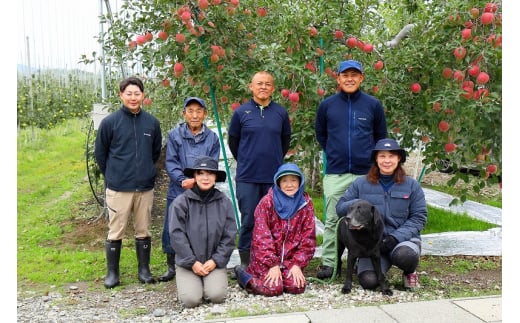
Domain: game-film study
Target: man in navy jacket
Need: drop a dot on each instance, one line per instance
(348, 125)
(128, 144)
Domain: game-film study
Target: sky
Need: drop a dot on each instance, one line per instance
(55, 33)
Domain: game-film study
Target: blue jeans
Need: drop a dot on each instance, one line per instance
(166, 244)
(248, 196)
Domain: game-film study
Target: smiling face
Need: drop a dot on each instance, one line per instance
(194, 114)
(289, 184)
(387, 161)
(350, 80)
(132, 97)
(205, 179)
(262, 87)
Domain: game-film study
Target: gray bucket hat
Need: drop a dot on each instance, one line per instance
(206, 163)
(390, 145)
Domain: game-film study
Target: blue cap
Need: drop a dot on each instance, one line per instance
(194, 98)
(345, 65)
(389, 145)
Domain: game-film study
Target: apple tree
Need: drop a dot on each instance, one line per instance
(211, 49)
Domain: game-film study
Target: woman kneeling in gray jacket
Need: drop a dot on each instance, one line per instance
(202, 231)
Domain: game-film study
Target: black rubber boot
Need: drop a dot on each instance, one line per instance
(113, 254)
(170, 273)
(244, 262)
(143, 248)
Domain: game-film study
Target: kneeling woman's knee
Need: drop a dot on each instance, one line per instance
(368, 279)
(405, 258)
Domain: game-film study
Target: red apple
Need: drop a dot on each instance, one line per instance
(466, 33)
(459, 52)
(415, 87)
(482, 78)
(450, 147)
(444, 126)
(474, 12)
(132, 44)
(235, 105)
(378, 65)
(368, 48)
(147, 101)
(285, 93)
(313, 31)
(186, 16)
(203, 4)
(492, 169)
(490, 7)
(458, 75)
(352, 42)
(178, 67)
(294, 97)
(338, 34)
(262, 12)
(320, 91)
(166, 83)
(436, 106)
(447, 73)
(474, 70)
(162, 35)
(234, 3)
(487, 18)
(140, 40)
(148, 36)
(180, 38)
(375, 89)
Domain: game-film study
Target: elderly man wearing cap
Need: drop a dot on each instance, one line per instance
(347, 126)
(202, 230)
(189, 140)
(402, 204)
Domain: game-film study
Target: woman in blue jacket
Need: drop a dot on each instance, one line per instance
(402, 204)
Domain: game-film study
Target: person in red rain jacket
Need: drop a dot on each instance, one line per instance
(284, 237)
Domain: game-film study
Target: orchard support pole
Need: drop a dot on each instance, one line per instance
(323, 154)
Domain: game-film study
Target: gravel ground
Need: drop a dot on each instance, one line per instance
(158, 303)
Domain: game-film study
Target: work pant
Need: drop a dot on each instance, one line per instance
(193, 289)
(121, 205)
(248, 196)
(334, 186)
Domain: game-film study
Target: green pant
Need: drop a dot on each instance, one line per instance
(334, 186)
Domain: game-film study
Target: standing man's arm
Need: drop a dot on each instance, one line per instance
(380, 130)
(157, 142)
(320, 127)
(101, 149)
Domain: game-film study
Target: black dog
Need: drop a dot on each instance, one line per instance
(361, 231)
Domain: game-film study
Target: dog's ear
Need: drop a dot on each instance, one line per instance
(376, 216)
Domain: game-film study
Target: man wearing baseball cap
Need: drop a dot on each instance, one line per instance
(348, 125)
(189, 140)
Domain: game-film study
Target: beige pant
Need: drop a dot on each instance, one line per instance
(121, 205)
(192, 289)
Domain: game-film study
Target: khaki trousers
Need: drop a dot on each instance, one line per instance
(123, 204)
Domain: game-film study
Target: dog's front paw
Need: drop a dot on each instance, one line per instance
(387, 292)
(346, 290)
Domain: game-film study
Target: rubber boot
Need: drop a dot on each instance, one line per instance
(143, 249)
(244, 258)
(113, 254)
(243, 276)
(170, 272)
(244, 262)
